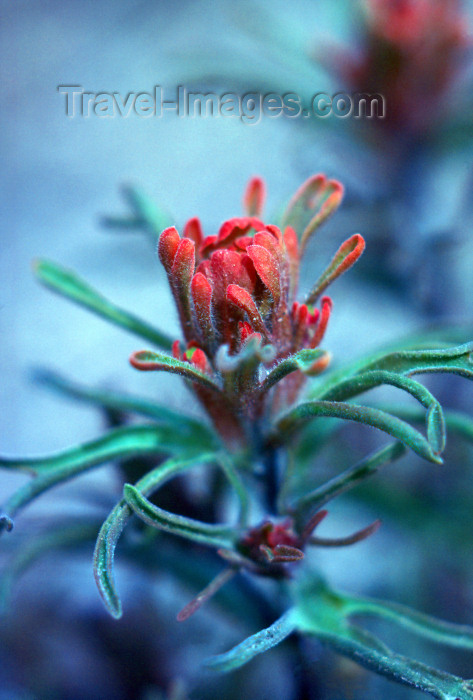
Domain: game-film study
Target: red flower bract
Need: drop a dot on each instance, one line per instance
(238, 283)
(236, 297)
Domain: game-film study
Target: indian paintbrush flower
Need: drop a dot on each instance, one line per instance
(236, 295)
(249, 347)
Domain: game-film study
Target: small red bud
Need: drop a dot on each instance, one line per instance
(176, 349)
(245, 331)
(253, 199)
(167, 247)
(199, 359)
(193, 230)
(201, 291)
(323, 322)
(184, 262)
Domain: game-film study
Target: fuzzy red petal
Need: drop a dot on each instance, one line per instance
(323, 322)
(201, 291)
(168, 244)
(244, 301)
(255, 194)
(184, 262)
(193, 230)
(267, 268)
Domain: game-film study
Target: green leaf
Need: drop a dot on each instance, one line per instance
(230, 470)
(126, 403)
(373, 378)
(366, 650)
(53, 470)
(304, 360)
(316, 499)
(298, 416)
(148, 361)
(323, 613)
(460, 636)
(115, 523)
(205, 533)
(446, 358)
(147, 215)
(456, 360)
(455, 421)
(122, 223)
(69, 285)
(254, 645)
(104, 554)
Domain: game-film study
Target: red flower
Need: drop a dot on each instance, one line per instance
(243, 282)
(411, 55)
(272, 543)
(236, 296)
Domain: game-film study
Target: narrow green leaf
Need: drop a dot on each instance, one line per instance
(304, 360)
(366, 650)
(298, 416)
(316, 499)
(125, 403)
(115, 523)
(121, 223)
(69, 285)
(147, 215)
(444, 358)
(456, 360)
(104, 554)
(148, 361)
(436, 433)
(254, 645)
(121, 443)
(455, 421)
(323, 613)
(53, 470)
(151, 217)
(205, 533)
(228, 467)
(439, 631)
(374, 378)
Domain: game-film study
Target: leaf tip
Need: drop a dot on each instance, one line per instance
(129, 492)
